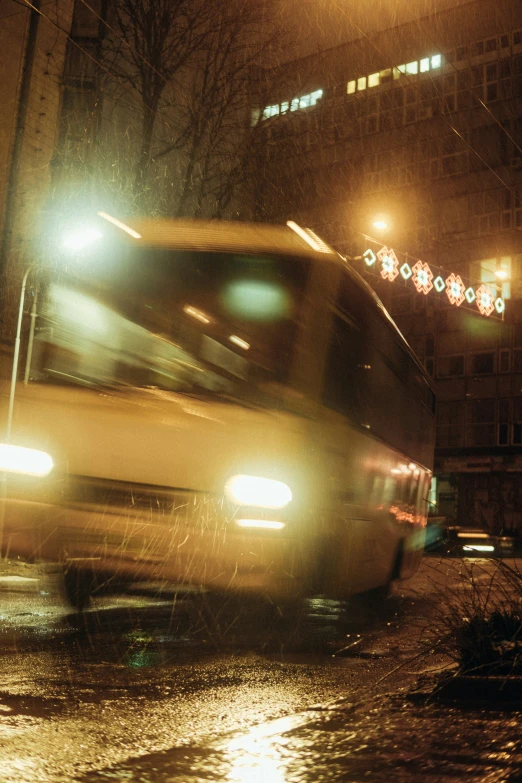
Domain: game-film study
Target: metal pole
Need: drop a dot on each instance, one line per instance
(16, 356)
(31, 339)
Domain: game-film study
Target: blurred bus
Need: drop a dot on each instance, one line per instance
(226, 405)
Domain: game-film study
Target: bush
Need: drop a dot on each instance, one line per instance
(480, 617)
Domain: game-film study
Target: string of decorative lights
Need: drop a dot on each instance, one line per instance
(427, 280)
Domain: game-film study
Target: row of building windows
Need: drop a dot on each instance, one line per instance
(304, 102)
(468, 88)
(485, 46)
(486, 212)
(437, 157)
(483, 363)
(447, 156)
(493, 77)
(492, 422)
(389, 75)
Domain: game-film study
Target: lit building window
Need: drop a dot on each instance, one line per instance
(351, 87)
(436, 61)
(425, 65)
(297, 103)
(271, 111)
(496, 273)
(361, 83)
(398, 71)
(413, 67)
(374, 80)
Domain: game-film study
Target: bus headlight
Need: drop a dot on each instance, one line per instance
(30, 462)
(257, 491)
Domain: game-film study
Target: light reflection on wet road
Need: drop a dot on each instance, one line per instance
(382, 740)
(198, 692)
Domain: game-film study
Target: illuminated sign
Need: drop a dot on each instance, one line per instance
(425, 280)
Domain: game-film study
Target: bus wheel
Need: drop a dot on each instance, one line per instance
(378, 595)
(79, 586)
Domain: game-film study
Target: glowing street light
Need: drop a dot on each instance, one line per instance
(81, 238)
(381, 221)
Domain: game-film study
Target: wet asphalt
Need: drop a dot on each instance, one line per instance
(160, 687)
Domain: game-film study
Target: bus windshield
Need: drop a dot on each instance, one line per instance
(185, 321)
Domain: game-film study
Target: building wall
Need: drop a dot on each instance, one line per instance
(26, 152)
(13, 29)
(435, 144)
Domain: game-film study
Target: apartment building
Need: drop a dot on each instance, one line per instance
(410, 140)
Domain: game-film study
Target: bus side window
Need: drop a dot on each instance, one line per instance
(344, 381)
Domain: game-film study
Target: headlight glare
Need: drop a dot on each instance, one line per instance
(30, 462)
(257, 491)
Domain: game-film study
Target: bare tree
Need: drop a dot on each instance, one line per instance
(148, 44)
(188, 70)
(217, 135)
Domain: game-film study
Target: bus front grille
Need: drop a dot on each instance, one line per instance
(84, 491)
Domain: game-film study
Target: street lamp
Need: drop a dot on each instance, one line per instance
(16, 354)
(381, 222)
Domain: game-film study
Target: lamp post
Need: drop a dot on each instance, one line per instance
(16, 354)
(31, 338)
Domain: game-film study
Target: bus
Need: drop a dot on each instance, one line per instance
(224, 405)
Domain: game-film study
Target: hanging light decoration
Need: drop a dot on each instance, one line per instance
(425, 281)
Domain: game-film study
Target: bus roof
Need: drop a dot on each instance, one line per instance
(234, 236)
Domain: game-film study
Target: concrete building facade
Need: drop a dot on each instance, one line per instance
(421, 126)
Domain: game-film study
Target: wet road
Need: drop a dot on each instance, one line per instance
(81, 696)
